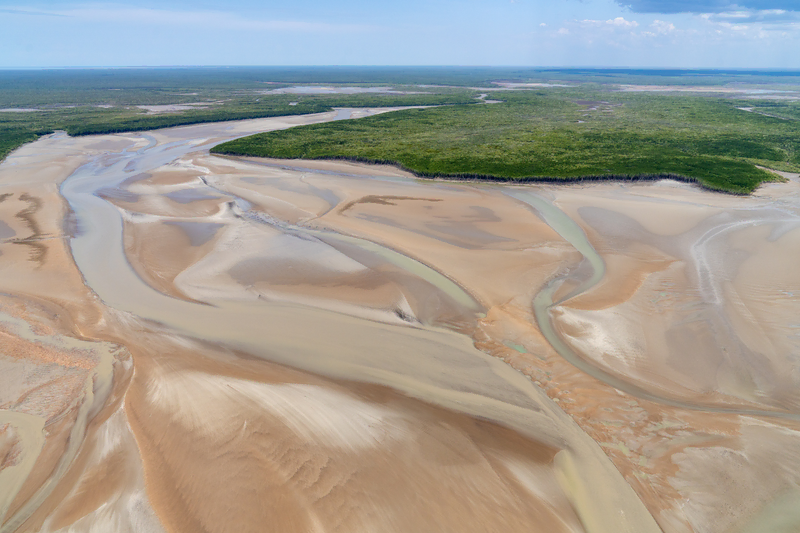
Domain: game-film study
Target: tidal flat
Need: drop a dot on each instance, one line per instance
(196, 342)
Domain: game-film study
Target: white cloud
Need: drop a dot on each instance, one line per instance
(618, 23)
(199, 19)
(758, 24)
(730, 15)
(661, 27)
(777, 17)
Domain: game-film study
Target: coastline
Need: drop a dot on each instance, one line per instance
(485, 178)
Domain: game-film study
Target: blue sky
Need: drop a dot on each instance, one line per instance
(625, 33)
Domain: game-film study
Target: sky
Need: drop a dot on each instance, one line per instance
(562, 33)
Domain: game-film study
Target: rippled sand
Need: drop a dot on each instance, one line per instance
(198, 343)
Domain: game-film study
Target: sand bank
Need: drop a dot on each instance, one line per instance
(334, 346)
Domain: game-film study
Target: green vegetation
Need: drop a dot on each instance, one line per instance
(560, 134)
(83, 102)
(587, 130)
(11, 138)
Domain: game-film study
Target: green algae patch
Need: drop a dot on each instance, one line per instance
(518, 347)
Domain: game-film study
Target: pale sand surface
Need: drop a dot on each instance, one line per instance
(302, 346)
(173, 108)
(319, 89)
(717, 89)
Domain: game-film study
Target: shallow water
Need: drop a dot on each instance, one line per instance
(431, 364)
(30, 428)
(261, 270)
(543, 302)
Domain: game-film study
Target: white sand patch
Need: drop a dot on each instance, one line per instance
(514, 85)
(317, 89)
(125, 511)
(606, 336)
(207, 403)
(174, 108)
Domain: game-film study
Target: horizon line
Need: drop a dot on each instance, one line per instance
(530, 67)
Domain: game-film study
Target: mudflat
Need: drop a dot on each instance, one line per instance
(204, 343)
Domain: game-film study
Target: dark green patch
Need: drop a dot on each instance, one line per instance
(535, 134)
(550, 135)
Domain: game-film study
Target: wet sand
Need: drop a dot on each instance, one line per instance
(200, 343)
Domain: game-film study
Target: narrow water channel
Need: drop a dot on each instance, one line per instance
(435, 365)
(543, 304)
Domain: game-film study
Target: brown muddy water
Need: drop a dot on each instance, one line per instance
(198, 343)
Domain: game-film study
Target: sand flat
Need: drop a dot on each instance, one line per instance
(332, 346)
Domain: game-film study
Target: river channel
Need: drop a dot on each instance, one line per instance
(316, 329)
